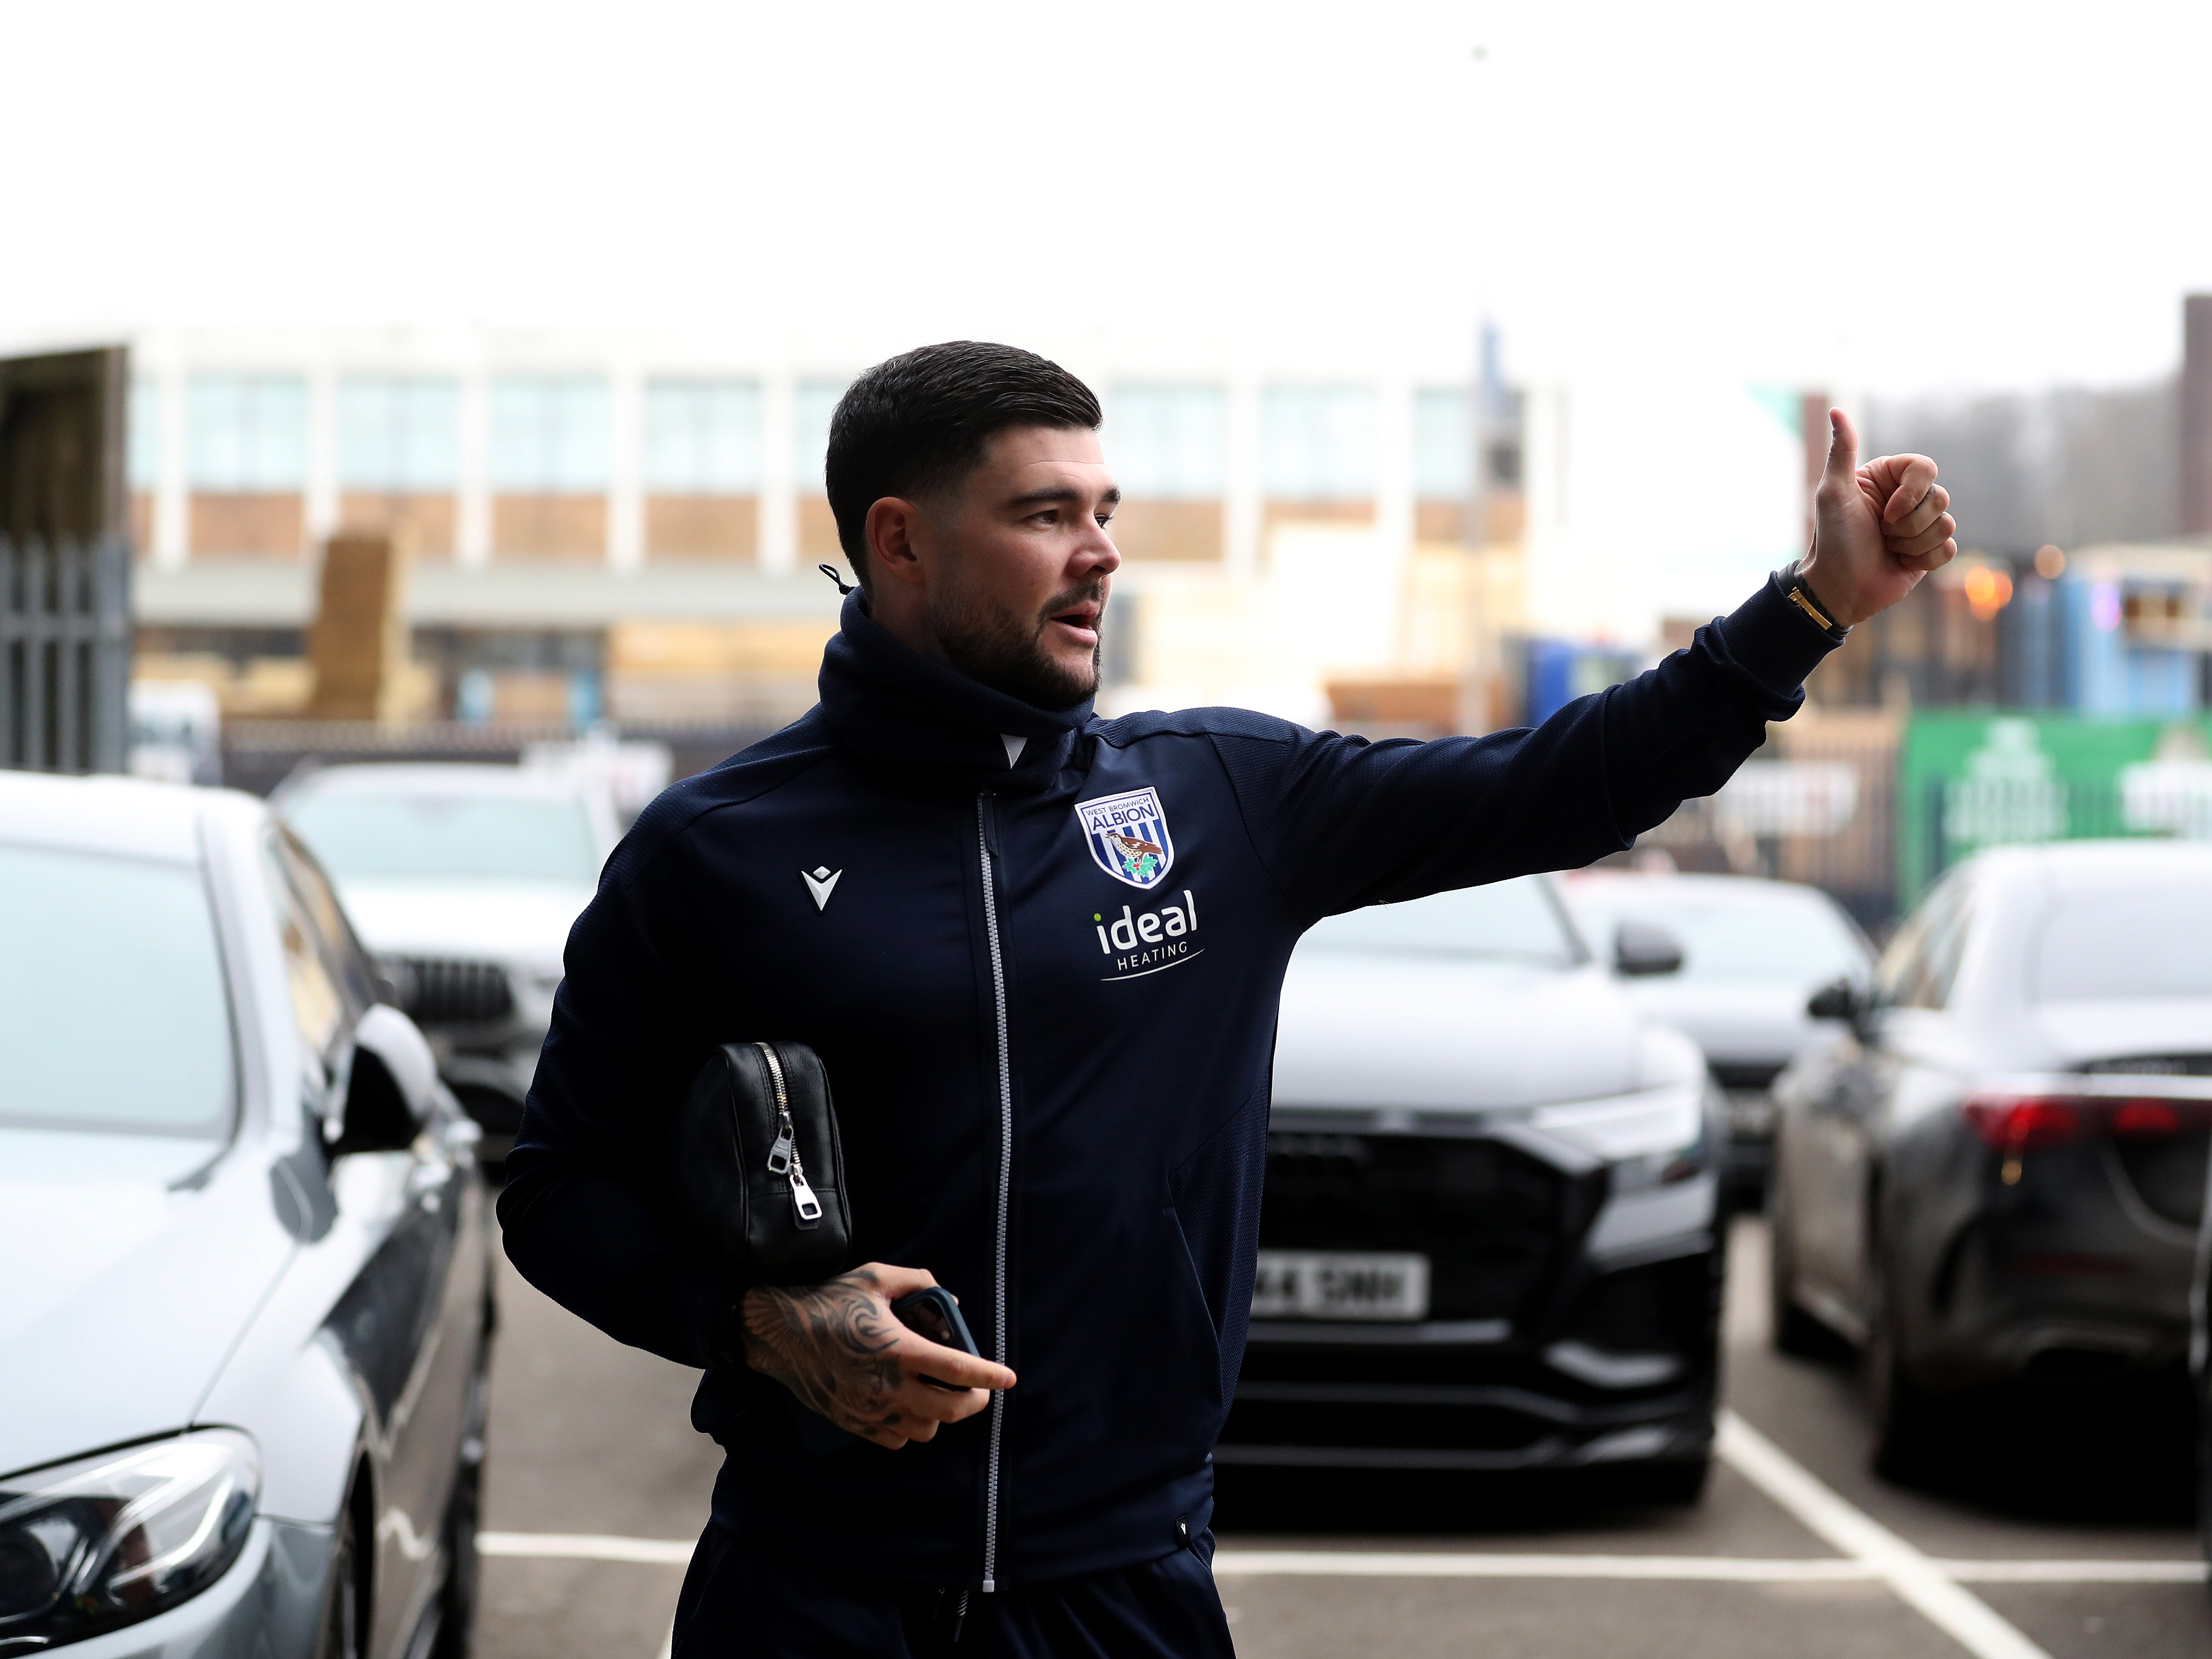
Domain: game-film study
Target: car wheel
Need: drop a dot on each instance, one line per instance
(1790, 1328)
(1907, 1421)
(457, 1597)
(2204, 1470)
(340, 1635)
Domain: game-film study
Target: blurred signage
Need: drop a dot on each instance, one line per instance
(1971, 780)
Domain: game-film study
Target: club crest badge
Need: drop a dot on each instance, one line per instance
(1128, 837)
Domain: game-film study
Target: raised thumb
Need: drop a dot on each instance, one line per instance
(1842, 444)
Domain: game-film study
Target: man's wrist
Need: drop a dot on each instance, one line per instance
(1797, 587)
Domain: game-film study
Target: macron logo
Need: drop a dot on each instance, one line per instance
(821, 881)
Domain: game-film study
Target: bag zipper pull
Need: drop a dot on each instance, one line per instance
(781, 1154)
(804, 1204)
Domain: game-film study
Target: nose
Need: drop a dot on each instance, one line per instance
(1097, 552)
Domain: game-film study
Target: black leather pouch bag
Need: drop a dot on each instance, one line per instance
(760, 1174)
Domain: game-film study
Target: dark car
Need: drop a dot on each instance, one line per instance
(1996, 1172)
(248, 1301)
(1489, 1237)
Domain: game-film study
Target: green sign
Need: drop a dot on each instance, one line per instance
(1967, 782)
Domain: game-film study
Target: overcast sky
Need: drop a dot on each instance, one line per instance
(1883, 199)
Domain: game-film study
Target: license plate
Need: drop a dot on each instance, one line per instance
(1341, 1285)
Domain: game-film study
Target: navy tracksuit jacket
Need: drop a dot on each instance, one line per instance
(1042, 967)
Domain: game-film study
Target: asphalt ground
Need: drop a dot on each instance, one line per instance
(2060, 1527)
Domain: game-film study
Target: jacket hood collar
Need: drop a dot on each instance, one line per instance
(892, 706)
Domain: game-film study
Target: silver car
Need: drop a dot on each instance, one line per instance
(247, 1297)
(1751, 953)
(463, 880)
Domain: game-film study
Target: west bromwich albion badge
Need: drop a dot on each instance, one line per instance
(1128, 837)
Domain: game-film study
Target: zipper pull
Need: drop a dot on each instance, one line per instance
(779, 1156)
(804, 1204)
(986, 803)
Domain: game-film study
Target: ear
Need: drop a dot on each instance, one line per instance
(893, 530)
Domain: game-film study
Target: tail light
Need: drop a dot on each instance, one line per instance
(2014, 1124)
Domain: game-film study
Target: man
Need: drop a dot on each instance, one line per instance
(929, 879)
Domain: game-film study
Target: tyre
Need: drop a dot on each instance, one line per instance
(458, 1596)
(1790, 1328)
(343, 1603)
(1674, 1485)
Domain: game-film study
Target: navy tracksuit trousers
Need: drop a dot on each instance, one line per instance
(740, 1602)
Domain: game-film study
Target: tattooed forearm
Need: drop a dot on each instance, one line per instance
(830, 1344)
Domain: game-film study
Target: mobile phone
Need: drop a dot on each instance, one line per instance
(934, 1313)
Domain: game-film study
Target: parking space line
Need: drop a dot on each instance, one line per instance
(1414, 1564)
(1468, 1564)
(1918, 1580)
(586, 1547)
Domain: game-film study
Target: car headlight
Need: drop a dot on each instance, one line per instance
(1653, 1136)
(106, 1541)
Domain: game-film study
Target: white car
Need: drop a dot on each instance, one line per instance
(1750, 954)
(247, 1300)
(463, 880)
(1489, 1239)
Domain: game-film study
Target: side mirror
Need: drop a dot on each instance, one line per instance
(392, 1088)
(1837, 1001)
(1641, 950)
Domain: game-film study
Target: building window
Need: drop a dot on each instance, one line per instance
(813, 403)
(1317, 443)
(249, 433)
(1168, 442)
(399, 434)
(1443, 444)
(548, 434)
(702, 437)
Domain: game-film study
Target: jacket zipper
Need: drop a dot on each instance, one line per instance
(986, 841)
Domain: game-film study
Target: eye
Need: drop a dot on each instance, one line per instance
(1104, 518)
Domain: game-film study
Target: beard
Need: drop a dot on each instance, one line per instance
(1006, 652)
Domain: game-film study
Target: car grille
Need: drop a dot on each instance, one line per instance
(1497, 1225)
(1738, 1074)
(439, 991)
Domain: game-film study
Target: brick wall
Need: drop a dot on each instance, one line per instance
(549, 526)
(702, 527)
(1169, 531)
(427, 521)
(256, 525)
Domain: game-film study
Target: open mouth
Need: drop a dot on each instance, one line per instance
(1078, 623)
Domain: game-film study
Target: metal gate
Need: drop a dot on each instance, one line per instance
(64, 654)
(65, 632)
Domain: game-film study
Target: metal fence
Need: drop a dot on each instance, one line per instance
(65, 643)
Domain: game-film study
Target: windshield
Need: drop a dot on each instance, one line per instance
(447, 837)
(2137, 944)
(1515, 919)
(112, 1009)
(1756, 936)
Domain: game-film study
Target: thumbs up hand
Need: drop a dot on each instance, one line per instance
(1878, 529)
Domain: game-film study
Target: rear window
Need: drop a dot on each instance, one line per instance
(447, 837)
(113, 1013)
(2151, 944)
(1518, 920)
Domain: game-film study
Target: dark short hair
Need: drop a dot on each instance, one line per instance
(916, 423)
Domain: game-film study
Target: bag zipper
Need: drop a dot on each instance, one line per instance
(986, 841)
(784, 1154)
